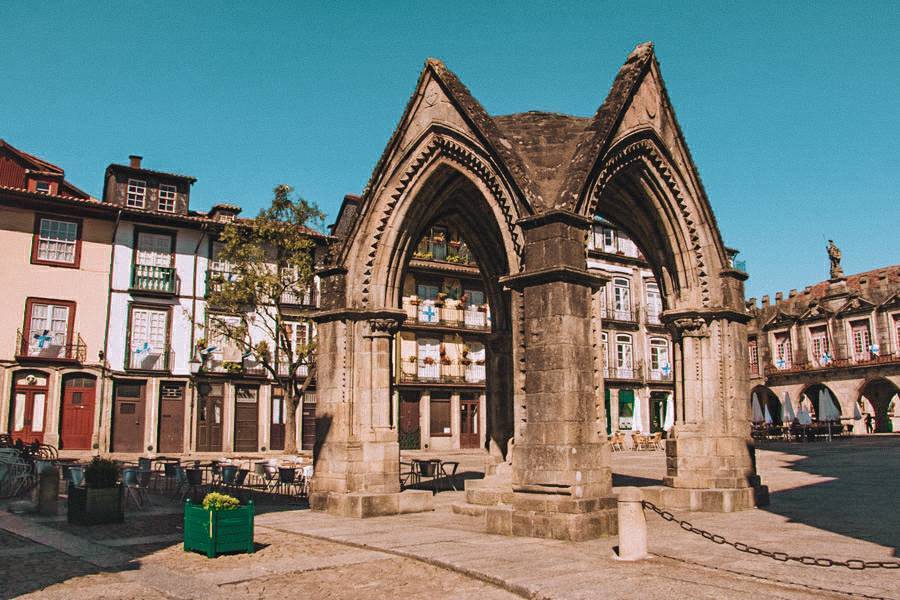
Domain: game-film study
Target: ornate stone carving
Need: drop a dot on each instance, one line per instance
(690, 327)
(441, 146)
(646, 151)
(384, 326)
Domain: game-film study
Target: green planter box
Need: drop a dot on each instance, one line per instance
(216, 532)
(96, 506)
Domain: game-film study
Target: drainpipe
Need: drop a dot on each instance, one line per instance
(190, 440)
(104, 362)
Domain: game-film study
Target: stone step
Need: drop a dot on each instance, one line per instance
(469, 510)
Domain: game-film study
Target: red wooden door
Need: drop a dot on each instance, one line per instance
(209, 417)
(309, 421)
(276, 427)
(28, 409)
(246, 419)
(77, 425)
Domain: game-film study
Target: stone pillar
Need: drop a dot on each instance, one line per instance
(710, 463)
(499, 394)
(357, 454)
(561, 476)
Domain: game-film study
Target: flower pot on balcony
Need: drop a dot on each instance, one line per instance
(215, 532)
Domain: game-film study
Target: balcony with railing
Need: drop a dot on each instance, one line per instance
(153, 279)
(625, 373)
(802, 364)
(652, 316)
(299, 297)
(215, 278)
(47, 346)
(146, 357)
(622, 314)
(662, 375)
(429, 312)
(416, 370)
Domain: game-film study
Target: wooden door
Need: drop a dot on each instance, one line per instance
(210, 399)
(171, 418)
(410, 424)
(308, 423)
(77, 424)
(276, 427)
(469, 422)
(246, 419)
(29, 406)
(128, 417)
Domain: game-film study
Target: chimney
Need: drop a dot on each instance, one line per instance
(779, 296)
(792, 293)
(134, 161)
(765, 300)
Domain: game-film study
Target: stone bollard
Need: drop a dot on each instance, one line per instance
(48, 492)
(632, 525)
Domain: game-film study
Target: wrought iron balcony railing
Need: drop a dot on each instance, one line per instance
(418, 372)
(426, 312)
(47, 346)
(625, 315)
(150, 278)
(632, 373)
(866, 360)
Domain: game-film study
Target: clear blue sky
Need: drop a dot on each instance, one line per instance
(791, 110)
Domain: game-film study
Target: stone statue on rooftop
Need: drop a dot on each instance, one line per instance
(834, 255)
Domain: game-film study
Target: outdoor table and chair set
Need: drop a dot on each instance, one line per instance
(434, 471)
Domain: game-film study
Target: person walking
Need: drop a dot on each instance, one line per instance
(869, 422)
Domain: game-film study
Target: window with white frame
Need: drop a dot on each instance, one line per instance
(57, 241)
(149, 334)
(154, 249)
(604, 348)
(753, 353)
(654, 302)
(783, 350)
(861, 339)
(659, 359)
(621, 299)
(221, 346)
(167, 194)
(136, 194)
(624, 356)
(609, 240)
(42, 187)
(48, 328)
(897, 334)
(429, 355)
(818, 345)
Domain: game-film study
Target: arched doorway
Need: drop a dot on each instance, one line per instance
(876, 397)
(28, 409)
(809, 399)
(452, 348)
(76, 426)
(768, 399)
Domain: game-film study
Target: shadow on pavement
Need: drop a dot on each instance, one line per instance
(860, 500)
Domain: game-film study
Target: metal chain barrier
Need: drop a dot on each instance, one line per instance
(852, 564)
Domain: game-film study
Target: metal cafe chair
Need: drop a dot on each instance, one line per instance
(132, 493)
(450, 466)
(287, 480)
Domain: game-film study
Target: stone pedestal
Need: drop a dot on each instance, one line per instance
(371, 504)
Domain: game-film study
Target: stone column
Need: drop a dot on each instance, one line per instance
(357, 454)
(499, 394)
(711, 460)
(561, 477)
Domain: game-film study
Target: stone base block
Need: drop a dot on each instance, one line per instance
(574, 527)
(362, 505)
(707, 500)
(469, 510)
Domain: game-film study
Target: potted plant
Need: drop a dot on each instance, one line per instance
(414, 300)
(428, 360)
(445, 360)
(465, 361)
(413, 359)
(101, 500)
(220, 525)
(232, 366)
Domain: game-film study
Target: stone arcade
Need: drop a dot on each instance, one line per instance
(526, 189)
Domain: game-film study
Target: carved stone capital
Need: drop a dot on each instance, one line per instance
(384, 326)
(690, 327)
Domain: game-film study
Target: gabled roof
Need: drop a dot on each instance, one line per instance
(815, 312)
(892, 300)
(36, 163)
(39, 166)
(603, 125)
(780, 317)
(855, 304)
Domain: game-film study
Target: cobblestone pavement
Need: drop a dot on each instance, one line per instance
(835, 500)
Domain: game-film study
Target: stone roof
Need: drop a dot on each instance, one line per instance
(545, 142)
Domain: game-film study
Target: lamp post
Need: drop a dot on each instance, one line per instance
(196, 368)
